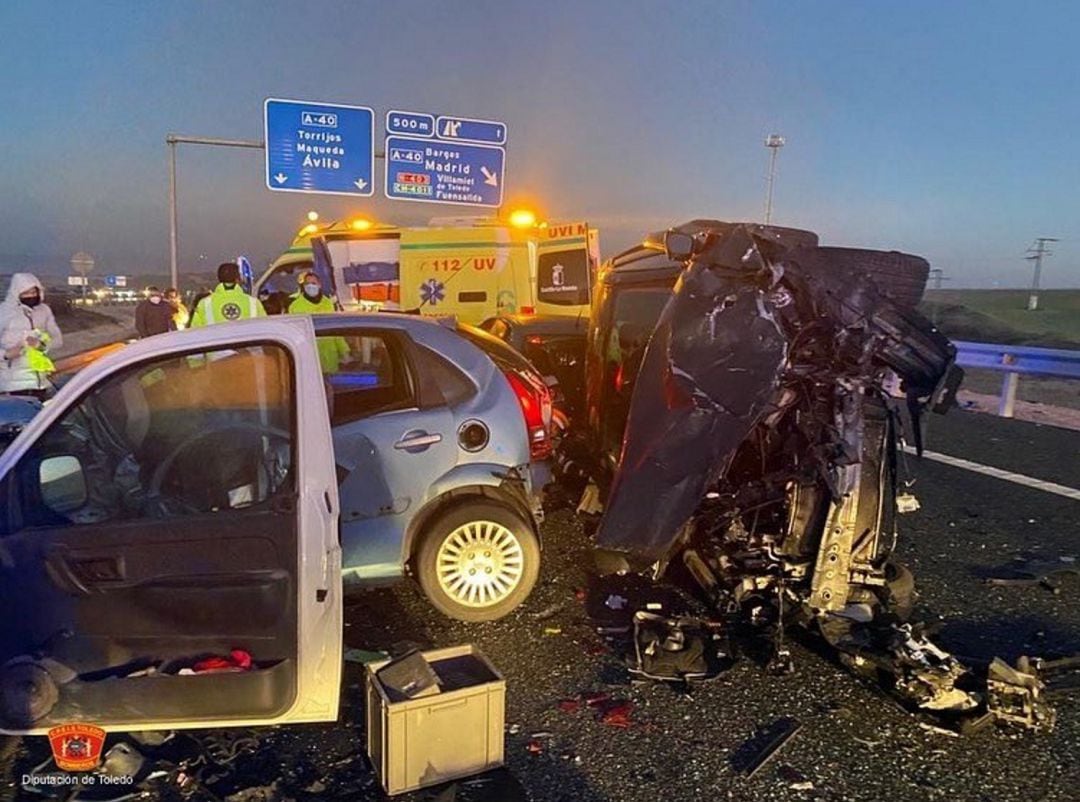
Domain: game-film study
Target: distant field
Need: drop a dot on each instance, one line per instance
(1002, 316)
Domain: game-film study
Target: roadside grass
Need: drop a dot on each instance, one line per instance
(1002, 316)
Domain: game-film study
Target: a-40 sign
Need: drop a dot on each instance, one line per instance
(319, 119)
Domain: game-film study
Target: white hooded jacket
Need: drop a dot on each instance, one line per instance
(17, 322)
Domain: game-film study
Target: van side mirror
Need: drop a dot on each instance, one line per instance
(63, 484)
(678, 245)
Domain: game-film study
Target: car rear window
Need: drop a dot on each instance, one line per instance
(501, 354)
(452, 383)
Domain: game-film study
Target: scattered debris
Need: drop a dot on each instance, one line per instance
(673, 649)
(866, 741)
(548, 612)
(795, 779)
(263, 793)
(1027, 573)
(764, 746)
(616, 602)
(123, 760)
(594, 698)
(938, 730)
(552, 630)
(571, 757)
(1015, 695)
(363, 656)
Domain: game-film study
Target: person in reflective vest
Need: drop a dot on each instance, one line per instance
(228, 301)
(310, 300)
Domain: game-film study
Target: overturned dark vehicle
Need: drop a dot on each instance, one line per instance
(762, 449)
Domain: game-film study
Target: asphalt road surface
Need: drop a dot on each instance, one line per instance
(855, 744)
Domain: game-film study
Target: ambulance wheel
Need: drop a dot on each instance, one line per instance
(478, 561)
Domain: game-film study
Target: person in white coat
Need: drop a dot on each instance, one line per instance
(27, 325)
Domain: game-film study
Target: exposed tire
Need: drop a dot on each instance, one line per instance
(899, 276)
(477, 561)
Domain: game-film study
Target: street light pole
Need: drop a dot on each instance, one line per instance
(773, 142)
(174, 278)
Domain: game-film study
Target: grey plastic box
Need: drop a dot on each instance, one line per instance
(415, 743)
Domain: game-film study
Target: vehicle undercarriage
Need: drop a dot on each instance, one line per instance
(764, 450)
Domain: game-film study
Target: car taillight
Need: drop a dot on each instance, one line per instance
(535, 400)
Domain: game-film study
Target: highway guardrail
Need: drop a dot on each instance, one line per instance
(1016, 361)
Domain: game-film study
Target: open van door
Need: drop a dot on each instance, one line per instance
(563, 270)
(169, 553)
(364, 272)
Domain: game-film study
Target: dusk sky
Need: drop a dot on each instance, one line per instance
(944, 129)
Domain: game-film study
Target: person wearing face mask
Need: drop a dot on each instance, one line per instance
(153, 315)
(311, 301)
(228, 301)
(28, 331)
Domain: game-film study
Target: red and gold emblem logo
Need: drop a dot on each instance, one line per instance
(76, 747)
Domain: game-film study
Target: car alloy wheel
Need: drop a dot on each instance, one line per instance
(480, 563)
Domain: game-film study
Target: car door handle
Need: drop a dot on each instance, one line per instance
(417, 440)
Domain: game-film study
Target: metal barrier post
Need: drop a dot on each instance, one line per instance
(1007, 403)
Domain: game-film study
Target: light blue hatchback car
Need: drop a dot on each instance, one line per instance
(441, 436)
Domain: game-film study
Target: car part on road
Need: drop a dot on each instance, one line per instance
(1027, 573)
(755, 753)
(675, 649)
(762, 444)
(478, 561)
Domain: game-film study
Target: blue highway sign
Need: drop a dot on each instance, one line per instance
(319, 148)
(410, 123)
(463, 129)
(434, 171)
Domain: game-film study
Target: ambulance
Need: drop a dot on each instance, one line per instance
(471, 268)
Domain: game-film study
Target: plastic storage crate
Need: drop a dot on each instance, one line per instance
(415, 743)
